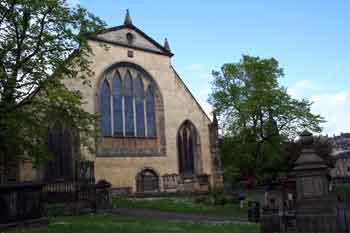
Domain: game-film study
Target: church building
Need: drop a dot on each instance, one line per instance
(154, 136)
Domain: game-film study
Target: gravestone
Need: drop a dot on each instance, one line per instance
(315, 210)
(312, 182)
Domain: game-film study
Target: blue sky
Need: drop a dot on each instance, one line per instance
(310, 39)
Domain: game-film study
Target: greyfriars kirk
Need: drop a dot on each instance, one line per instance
(103, 129)
(154, 135)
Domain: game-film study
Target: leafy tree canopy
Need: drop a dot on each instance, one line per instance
(257, 115)
(42, 44)
(322, 146)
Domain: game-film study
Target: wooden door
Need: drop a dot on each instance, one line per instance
(147, 181)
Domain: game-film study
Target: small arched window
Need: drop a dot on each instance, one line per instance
(131, 101)
(105, 109)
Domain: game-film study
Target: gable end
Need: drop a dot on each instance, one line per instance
(118, 36)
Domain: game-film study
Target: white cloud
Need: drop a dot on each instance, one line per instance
(195, 67)
(335, 108)
(304, 84)
(73, 2)
(205, 75)
(201, 85)
(341, 98)
(302, 88)
(206, 107)
(202, 92)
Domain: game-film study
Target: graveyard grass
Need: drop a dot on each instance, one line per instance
(108, 223)
(182, 205)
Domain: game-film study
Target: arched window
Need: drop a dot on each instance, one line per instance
(186, 146)
(140, 108)
(128, 106)
(151, 126)
(117, 106)
(132, 107)
(105, 109)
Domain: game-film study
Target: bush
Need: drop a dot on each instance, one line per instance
(218, 197)
(220, 200)
(54, 210)
(201, 200)
(341, 189)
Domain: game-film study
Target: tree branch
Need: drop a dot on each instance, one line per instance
(7, 12)
(39, 38)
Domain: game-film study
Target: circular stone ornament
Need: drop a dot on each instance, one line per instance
(129, 37)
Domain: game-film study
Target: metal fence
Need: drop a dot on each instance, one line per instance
(287, 221)
(20, 203)
(76, 194)
(25, 203)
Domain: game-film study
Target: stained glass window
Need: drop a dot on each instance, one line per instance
(105, 109)
(117, 106)
(128, 106)
(140, 108)
(151, 125)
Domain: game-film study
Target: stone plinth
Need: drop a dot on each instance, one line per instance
(311, 174)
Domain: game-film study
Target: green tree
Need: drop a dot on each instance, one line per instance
(322, 146)
(257, 115)
(42, 44)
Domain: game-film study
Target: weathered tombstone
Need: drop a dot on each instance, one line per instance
(103, 196)
(313, 200)
(312, 182)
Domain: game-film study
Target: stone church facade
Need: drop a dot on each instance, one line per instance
(154, 135)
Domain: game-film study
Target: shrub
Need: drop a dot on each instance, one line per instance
(54, 210)
(218, 197)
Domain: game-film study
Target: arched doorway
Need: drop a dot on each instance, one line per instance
(147, 181)
(63, 145)
(188, 147)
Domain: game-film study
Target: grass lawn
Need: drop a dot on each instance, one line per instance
(181, 205)
(110, 223)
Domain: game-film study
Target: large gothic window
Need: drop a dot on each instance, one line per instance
(127, 103)
(187, 140)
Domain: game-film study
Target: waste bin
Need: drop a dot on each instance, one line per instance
(253, 211)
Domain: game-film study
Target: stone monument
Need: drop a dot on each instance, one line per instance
(312, 181)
